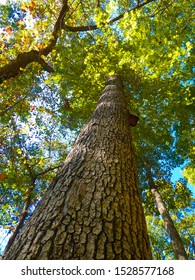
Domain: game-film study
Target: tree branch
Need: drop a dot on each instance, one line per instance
(16, 66)
(57, 27)
(47, 170)
(94, 27)
(2, 112)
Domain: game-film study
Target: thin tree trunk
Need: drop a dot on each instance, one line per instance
(93, 209)
(168, 222)
(18, 227)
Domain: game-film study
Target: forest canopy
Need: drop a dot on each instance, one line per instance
(54, 59)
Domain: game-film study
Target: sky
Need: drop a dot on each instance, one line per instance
(177, 174)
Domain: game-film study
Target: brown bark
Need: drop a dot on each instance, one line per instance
(19, 64)
(93, 209)
(176, 240)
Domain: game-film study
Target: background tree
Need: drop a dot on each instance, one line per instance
(168, 222)
(150, 42)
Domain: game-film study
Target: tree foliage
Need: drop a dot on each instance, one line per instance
(54, 58)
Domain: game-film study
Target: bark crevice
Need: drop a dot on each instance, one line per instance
(93, 208)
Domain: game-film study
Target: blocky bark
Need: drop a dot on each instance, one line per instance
(93, 208)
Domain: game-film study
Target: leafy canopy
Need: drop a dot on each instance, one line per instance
(54, 58)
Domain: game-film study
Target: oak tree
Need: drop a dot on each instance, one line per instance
(54, 58)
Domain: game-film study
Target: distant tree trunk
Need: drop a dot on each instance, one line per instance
(93, 208)
(18, 226)
(176, 240)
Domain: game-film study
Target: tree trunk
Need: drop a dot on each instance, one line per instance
(93, 209)
(176, 240)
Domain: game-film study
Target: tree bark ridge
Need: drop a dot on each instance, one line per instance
(93, 208)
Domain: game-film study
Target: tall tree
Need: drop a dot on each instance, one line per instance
(54, 57)
(93, 209)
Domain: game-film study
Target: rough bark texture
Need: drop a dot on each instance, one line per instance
(93, 208)
(176, 240)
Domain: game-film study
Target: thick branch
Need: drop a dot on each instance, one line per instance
(57, 27)
(16, 66)
(19, 64)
